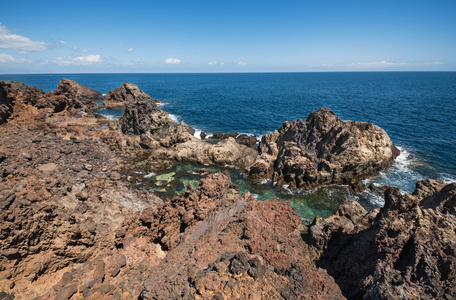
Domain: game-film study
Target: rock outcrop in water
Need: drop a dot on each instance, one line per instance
(146, 126)
(142, 116)
(324, 150)
(125, 94)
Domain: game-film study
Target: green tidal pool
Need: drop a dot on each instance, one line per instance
(309, 203)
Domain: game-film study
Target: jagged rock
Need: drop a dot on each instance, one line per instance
(67, 86)
(253, 248)
(357, 187)
(125, 94)
(243, 139)
(70, 96)
(326, 150)
(221, 136)
(406, 250)
(15, 92)
(142, 116)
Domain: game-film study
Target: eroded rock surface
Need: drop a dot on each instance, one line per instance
(325, 150)
(125, 94)
(405, 250)
(142, 116)
(224, 245)
(16, 94)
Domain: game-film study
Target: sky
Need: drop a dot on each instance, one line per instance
(227, 36)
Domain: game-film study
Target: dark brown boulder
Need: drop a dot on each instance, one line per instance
(67, 86)
(125, 94)
(16, 92)
(71, 97)
(405, 250)
(144, 117)
(326, 150)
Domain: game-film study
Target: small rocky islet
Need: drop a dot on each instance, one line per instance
(74, 227)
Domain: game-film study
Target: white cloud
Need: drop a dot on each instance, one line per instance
(130, 49)
(80, 60)
(9, 40)
(89, 59)
(214, 63)
(63, 42)
(379, 64)
(433, 63)
(172, 61)
(5, 58)
(242, 63)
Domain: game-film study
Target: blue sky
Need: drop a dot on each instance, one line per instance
(227, 36)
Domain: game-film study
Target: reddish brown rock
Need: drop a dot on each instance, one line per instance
(81, 92)
(125, 94)
(15, 92)
(253, 249)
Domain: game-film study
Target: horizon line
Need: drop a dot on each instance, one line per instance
(247, 72)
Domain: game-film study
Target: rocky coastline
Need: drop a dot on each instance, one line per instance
(74, 227)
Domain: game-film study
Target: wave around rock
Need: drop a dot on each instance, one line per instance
(325, 150)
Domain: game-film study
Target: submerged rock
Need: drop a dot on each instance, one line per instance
(326, 150)
(125, 94)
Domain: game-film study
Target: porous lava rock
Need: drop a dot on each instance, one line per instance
(16, 92)
(125, 94)
(326, 150)
(142, 116)
(221, 244)
(69, 97)
(405, 250)
(67, 86)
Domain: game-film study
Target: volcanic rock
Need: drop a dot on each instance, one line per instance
(67, 86)
(243, 139)
(406, 250)
(221, 244)
(15, 92)
(125, 94)
(326, 150)
(142, 116)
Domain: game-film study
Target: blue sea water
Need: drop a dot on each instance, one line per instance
(416, 109)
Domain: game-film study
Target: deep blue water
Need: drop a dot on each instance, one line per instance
(416, 109)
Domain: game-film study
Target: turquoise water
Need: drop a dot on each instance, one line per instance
(322, 201)
(416, 109)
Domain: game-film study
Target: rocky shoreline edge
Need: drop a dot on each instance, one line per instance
(73, 227)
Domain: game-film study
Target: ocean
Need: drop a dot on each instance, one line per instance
(416, 109)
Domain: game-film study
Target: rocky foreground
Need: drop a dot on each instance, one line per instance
(72, 227)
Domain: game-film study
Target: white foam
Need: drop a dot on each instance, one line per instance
(197, 133)
(151, 174)
(104, 95)
(447, 178)
(174, 118)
